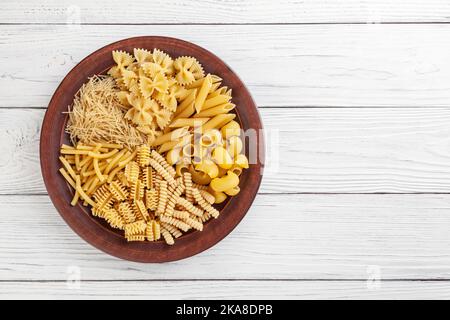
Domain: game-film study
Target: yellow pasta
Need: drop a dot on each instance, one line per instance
(204, 204)
(162, 151)
(227, 182)
(203, 93)
(216, 110)
(218, 121)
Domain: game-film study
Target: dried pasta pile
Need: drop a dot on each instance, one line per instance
(154, 146)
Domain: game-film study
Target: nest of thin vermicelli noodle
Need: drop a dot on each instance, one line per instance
(98, 117)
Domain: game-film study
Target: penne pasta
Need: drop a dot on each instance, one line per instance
(218, 122)
(188, 122)
(203, 93)
(220, 109)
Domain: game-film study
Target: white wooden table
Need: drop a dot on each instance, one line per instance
(359, 206)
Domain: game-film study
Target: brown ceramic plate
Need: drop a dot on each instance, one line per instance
(94, 230)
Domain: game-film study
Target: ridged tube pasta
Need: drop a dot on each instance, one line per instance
(173, 156)
(181, 168)
(219, 197)
(199, 177)
(221, 156)
(233, 191)
(242, 161)
(231, 129)
(209, 167)
(227, 182)
(234, 146)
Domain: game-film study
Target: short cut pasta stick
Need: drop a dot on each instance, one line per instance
(188, 122)
(186, 102)
(220, 109)
(83, 195)
(174, 144)
(67, 177)
(218, 122)
(102, 155)
(215, 101)
(187, 112)
(68, 167)
(203, 93)
(170, 136)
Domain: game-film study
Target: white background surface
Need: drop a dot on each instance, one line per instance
(360, 91)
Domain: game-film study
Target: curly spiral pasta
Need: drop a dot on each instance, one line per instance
(118, 190)
(151, 199)
(147, 177)
(141, 210)
(153, 230)
(132, 171)
(159, 169)
(137, 190)
(167, 236)
(163, 198)
(204, 204)
(194, 224)
(103, 198)
(175, 222)
(114, 219)
(180, 214)
(136, 237)
(134, 228)
(187, 180)
(199, 186)
(160, 159)
(173, 199)
(126, 212)
(143, 155)
(189, 207)
(172, 229)
(207, 196)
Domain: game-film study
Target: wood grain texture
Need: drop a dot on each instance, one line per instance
(283, 65)
(330, 150)
(237, 11)
(221, 290)
(282, 237)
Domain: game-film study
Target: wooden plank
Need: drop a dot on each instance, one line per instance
(220, 290)
(282, 237)
(283, 65)
(332, 150)
(237, 11)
